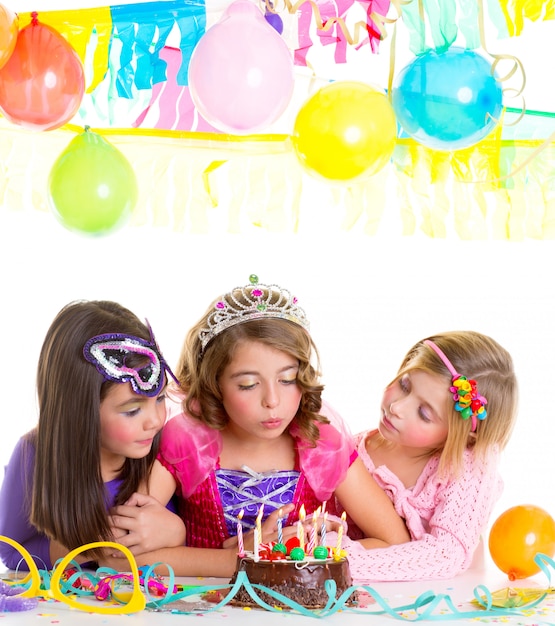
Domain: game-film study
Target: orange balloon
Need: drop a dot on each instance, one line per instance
(517, 535)
(9, 25)
(43, 82)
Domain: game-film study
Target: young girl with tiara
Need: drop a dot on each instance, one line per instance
(101, 391)
(251, 435)
(445, 419)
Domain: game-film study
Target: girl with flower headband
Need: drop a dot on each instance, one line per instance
(101, 391)
(445, 419)
(251, 435)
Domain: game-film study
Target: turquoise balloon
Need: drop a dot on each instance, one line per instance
(92, 188)
(448, 100)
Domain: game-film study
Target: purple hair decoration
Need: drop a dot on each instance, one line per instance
(108, 353)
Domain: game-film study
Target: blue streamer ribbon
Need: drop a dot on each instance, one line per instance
(424, 608)
(143, 30)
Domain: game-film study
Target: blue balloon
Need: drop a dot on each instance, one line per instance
(448, 100)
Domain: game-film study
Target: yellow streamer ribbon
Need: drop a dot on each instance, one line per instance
(533, 10)
(271, 143)
(206, 180)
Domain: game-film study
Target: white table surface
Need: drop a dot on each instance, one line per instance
(460, 590)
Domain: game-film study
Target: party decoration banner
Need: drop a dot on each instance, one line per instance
(198, 175)
(126, 43)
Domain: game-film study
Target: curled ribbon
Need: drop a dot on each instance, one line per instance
(65, 584)
(326, 24)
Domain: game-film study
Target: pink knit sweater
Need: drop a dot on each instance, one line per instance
(445, 519)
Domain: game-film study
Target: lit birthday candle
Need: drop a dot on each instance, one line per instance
(240, 544)
(340, 532)
(323, 530)
(280, 527)
(256, 545)
(259, 521)
(300, 527)
(258, 532)
(313, 531)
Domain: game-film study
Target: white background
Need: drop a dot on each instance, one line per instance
(369, 299)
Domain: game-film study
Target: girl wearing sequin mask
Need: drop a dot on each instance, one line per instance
(252, 436)
(445, 419)
(101, 392)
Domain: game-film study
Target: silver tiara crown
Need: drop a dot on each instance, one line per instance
(253, 301)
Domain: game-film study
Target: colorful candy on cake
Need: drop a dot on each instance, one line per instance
(289, 571)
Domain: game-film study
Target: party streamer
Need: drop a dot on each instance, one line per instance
(142, 30)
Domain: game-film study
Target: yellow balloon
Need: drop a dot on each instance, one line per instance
(517, 535)
(345, 131)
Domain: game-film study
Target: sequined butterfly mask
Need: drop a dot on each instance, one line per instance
(110, 353)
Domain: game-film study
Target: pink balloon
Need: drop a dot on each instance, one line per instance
(241, 72)
(43, 82)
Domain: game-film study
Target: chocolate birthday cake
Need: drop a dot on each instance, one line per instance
(301, 580)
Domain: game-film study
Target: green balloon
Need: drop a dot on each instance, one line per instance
(92, 188)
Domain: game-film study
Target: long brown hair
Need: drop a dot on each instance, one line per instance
(69, 499)
(199, 371)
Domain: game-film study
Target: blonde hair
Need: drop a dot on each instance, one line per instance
(198, 370)
(477, 357)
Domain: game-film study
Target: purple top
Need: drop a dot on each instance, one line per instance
(15, 496)
(247, 490)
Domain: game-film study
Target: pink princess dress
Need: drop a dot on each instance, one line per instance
(211, 497)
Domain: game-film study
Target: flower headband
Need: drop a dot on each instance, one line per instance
(468, 401)
(109, 352)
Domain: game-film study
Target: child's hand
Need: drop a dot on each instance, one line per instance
(270, 525)
(333, 523)
(142, 524)
(230, 542)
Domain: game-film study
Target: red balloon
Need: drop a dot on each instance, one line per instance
(43, 82)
